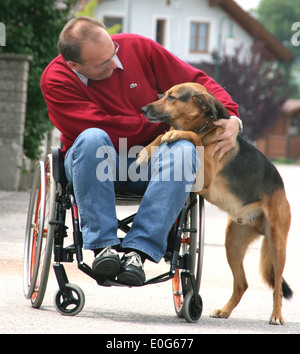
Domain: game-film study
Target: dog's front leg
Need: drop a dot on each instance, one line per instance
(174, 135)
(238, 238)
(145, 155)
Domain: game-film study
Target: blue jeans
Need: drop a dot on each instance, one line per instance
(95, 168)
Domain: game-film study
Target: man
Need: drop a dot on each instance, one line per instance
(94, 91)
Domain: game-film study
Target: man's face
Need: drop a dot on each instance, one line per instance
(97, 61)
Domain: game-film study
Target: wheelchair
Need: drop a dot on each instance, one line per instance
(52, 197)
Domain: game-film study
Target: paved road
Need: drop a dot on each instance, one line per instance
(148, 310)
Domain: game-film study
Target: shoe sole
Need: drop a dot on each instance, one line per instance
(129, 278)
(107, 267)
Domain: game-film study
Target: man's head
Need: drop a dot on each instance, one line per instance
(88, 48)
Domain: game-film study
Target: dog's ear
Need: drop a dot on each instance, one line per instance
(206, 104)
(209, 104)
(222, 112)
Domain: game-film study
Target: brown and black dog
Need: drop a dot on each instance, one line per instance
(244, 183)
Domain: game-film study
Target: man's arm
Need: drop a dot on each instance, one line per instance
(72, 111)
(170, 70)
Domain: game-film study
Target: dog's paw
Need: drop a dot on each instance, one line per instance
(276, 320)
(171, 136)
(143, 158)
(219, 314)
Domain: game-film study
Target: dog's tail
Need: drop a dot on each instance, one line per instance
(267, 270)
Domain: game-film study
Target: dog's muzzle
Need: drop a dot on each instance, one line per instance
(153, 116)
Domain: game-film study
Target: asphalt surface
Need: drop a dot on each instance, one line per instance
(149, 309)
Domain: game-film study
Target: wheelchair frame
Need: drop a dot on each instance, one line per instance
(50, 199)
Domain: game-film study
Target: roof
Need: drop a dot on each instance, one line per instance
(291, 107)
(254, 28)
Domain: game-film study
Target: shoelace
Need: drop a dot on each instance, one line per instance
(134, 259)
(108, 250)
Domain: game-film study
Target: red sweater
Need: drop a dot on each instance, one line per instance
(111, 104)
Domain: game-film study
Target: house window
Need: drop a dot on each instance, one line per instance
(111, 21)
(199, 37)
(294, 126)
(160, 31)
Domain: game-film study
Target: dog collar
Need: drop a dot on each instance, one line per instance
(199, 130)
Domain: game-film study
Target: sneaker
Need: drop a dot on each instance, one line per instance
(132, 270)
(107, 263)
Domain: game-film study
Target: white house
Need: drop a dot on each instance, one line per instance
(191, 29)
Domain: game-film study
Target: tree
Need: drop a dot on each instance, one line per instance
(88, 9)
(33, 27)
(278, 16)
(258, 85)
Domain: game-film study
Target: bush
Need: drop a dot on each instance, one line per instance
(258, 84)
(33, 27)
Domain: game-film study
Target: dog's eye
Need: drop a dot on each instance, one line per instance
(170, 98)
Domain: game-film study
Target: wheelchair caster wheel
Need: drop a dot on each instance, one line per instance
(69, 302)
(192, 308)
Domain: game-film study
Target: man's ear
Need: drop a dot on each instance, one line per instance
(73, 65)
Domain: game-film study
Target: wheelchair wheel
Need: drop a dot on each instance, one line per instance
(192, 242)
(39, 233)
(192, 310)
(69, 302)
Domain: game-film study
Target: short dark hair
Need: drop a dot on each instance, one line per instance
(75, 32)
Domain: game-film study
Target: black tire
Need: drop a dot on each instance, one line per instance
(192, 307)
(192, 243)
(71, 301)
(39, 233)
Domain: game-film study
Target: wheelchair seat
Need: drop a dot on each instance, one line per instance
(124, 196)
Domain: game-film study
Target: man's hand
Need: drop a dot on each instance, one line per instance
(226, 140)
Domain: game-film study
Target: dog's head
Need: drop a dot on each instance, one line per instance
(185, 107)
